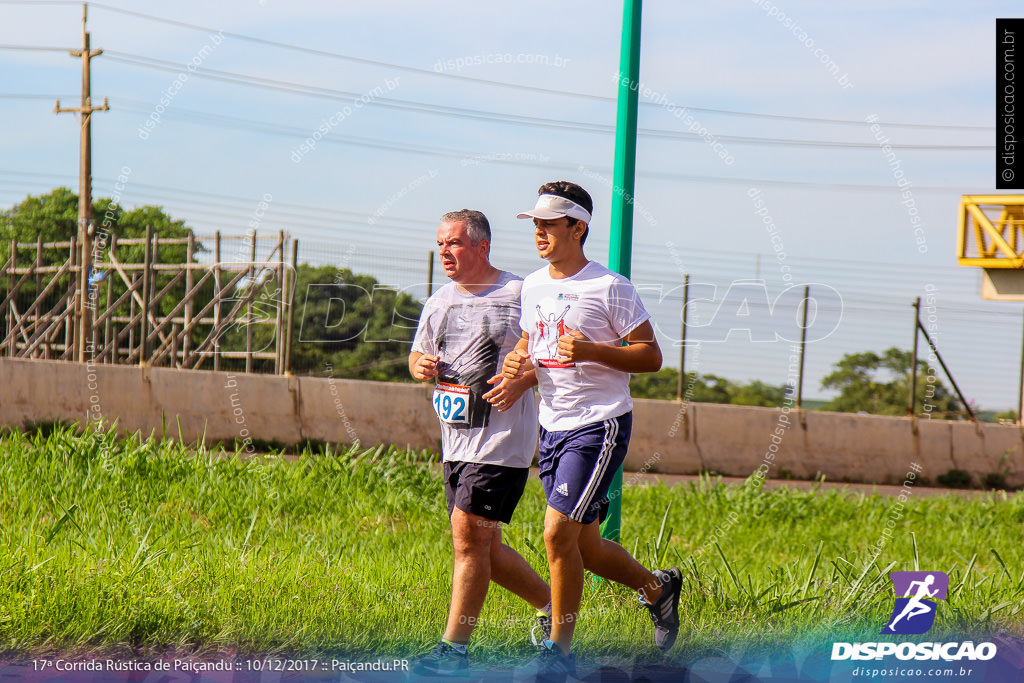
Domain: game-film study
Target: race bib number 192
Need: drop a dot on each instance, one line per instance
(451, 402)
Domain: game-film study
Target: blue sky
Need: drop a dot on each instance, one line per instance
(499, 73)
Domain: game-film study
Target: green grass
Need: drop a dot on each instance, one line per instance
(122, 545)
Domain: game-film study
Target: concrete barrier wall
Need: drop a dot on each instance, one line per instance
(730, 440)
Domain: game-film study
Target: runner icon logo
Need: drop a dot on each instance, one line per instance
(916, 594)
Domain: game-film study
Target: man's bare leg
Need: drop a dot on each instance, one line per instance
(481, 557)
(561, 538)
(573, 546)
(471, 573)
(609, 560)
(511, 571)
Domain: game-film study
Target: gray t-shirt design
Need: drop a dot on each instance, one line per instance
(472, 334)
(469, 341)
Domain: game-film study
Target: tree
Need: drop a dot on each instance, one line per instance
(54, 217)
(880, 385)
(704, 389)
(345, 325)
(659, 385)
(349, 321)
(757, 393)
(709, 389)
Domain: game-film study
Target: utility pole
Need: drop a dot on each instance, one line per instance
(83, 312)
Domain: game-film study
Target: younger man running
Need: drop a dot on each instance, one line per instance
(575, 315)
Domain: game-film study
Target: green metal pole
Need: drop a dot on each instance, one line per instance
(620, 248)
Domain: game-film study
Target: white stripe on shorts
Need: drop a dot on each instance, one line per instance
(611, 431)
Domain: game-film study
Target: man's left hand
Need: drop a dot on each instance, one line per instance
(507, 392)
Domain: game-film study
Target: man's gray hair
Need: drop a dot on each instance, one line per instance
(477, 226)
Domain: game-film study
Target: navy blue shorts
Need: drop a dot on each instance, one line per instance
(577, 465)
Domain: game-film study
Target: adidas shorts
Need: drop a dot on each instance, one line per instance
(483, 489)
(577, 465)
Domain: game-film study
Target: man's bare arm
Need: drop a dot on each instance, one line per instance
(640, 354)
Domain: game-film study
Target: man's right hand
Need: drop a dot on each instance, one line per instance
(425, 367)
(516, 364)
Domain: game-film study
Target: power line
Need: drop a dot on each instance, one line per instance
(837, 122)
(358, 60)
(333, 94)
(546, 91)
(713, 260)
(496, 117)
(331, 214)
(503, 84)
(30, 96)
(269, 128)
(33, 47)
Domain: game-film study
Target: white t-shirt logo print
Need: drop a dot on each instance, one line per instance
(550, 326)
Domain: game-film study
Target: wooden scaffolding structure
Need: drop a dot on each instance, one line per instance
(185, 314)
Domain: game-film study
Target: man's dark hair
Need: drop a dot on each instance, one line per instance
(572, 192)
(477, 226)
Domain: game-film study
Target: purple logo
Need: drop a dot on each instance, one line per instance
(916, 593)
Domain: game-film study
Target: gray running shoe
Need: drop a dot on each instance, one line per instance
(665, 610)
(544, 625)
(549, 666)
(443, 660)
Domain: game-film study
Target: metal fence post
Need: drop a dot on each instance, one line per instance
(682, 346)
(803, 350)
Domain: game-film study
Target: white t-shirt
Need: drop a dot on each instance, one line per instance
(605, 307)
(472, 334)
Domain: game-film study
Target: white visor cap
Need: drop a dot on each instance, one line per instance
(551, 206)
